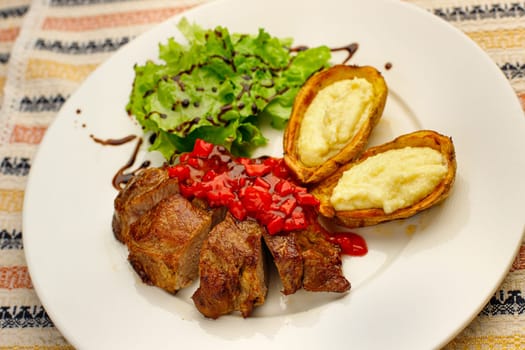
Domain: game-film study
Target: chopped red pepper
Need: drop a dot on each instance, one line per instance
(280, 169)
(284, 188)
(260, 182)
(209, 175)
(275, 225)
(194, 162)
(304, 198)
(202, 149)
(237, 210)
(287, 206)
(262, 189)
(183, 158)
(220, 197)
(257, 169)
(255, 200)
(259, 188)
(179, 171)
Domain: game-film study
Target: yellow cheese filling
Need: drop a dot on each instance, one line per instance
(391, 180)
(335, 115)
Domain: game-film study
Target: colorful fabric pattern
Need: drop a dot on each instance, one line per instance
(47, 49)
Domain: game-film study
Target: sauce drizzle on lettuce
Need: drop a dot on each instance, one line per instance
(220, 87)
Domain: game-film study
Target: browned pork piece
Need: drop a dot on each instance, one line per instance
(142, 193)
(288, 260)
(217, 214)
(321, 262)
(232, 270)
(164, 244)
(307, 259)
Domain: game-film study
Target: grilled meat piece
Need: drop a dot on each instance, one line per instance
(232, 269)
(217, 214)
(307, 259)
(288, 260)
(321, 262)
(142, 193)
(164, 244)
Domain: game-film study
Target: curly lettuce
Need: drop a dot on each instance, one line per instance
(219, 87)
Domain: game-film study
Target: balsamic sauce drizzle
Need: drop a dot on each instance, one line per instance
(351, 49)
(121, 178)
(113, 142)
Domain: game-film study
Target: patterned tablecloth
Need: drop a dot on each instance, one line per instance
(48, 47)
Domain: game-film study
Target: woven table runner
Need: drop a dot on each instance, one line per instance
(48, 48)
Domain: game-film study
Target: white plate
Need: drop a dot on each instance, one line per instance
(424, 278)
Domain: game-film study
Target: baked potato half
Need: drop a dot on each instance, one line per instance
(324, 191)
(331, 120)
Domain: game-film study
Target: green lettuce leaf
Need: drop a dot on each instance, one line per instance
(219, 86)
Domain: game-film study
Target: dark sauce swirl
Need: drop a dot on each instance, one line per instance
(113, 142)
(350, 49)
(122, 177)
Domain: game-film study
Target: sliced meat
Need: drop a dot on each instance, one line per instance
(321, 262)
(232, 270)
(142, 193)
(164, 244)
(217, 214)
(288, 260)
(307, 259)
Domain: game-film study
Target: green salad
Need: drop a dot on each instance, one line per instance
(220, 87)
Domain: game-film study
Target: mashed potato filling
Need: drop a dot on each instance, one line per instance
(391, 180)
(333, 118)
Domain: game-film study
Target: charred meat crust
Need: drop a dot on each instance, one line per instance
(232, 269)
(287, 259)
(307, 259)
(141, 194)
(164, 244)
(321, 263)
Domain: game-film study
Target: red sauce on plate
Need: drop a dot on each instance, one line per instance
(350, 243)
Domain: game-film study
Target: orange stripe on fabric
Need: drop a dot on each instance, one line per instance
(9, 34)
(11, 200)
(15, 277)
(516, 341)
(45, 69)
(111, 20)
(519, 262)
(27, 134)
(499, 39)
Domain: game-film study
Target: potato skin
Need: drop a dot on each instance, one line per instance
(305, 97)
(367, 217)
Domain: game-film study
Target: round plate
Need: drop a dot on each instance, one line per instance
(423, 280)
